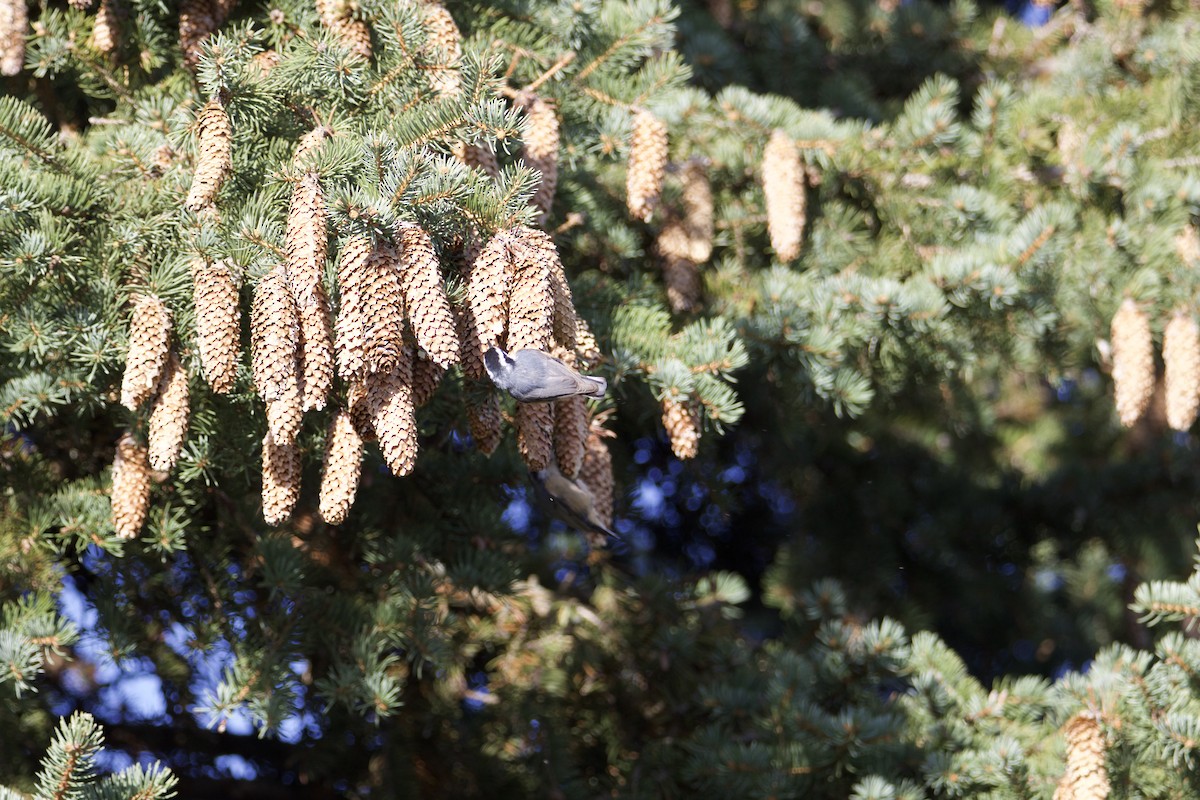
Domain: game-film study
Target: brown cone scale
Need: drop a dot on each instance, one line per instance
(149, 343)
(131, 482)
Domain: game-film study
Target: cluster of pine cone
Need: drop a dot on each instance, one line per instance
(1133, 367)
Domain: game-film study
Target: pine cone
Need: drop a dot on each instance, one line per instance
(487, 293)
(354, 33)
(1187, 246)
(570, 434)
(383, 310)
(586, 347)
(1181, 354)
(197, 20)
(647, 163)
(542, 248)
(1086, 776)
(14, 27)
(783, 189)
(426, 303)
(682, 279)
(169, 416)
(281, 480)
(343, 466)
(697, 212)
(683, 427)
(214, 156)
(130, 487)
(106, 28)
(307, 242)
(394, 415)
(149, 343)
(275, 337)
(427, 375)
(1133, 362)
(483, 414)
(535, 429)
(443, 48)
(353, 261)
(218, 323)
(80, 5)
(477, 156)
(316, 352)
(597, 474)
(309, 144)
(360, 410)
(531, 300)
(541, 150)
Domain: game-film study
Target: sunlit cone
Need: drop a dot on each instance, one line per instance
(427, 376)
(1086, 775)
(444, 46)
(647, 163)
(265, 61)
(383, 310)
(394, 415)
(535, 434)
(214, 155)
(280, 479)
(316, 352)
(597, 473)
(130, 487)
(1181, 355)
(275, 338)
(354, 33)
(570, 434)
(586, 347)
(197, 19)
(218, 323)
(310, 143)
(783, 189)
(14, 27)
(543, 250)
(697, 211)
(425, 299)
(683, 427)
(80, 5)
(149, 343)
(541, 150)
(1187, 245)
(169, 416)
(483, 414)
(487, 294)
(477, 156)
(342, 468)
(350, 327)
(307, 242)
(1133, 362)
(106, 28)
(531, 301)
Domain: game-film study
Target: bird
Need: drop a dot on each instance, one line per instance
(532, 376)
(570, 501)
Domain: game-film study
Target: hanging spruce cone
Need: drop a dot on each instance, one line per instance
(1181, 354)
(275, 338)
(530, 301)
(586, 347)
(427, 375)
(360, 410)
(487, 294)
(309, 144)
(197, 20)
(394, 415)
(535, 430)
(541, 150)
(106, 28)
(1086, 776)
(214, 155)
(130, 487)
(444, 50)
(683, 426)
(306, 242)
(597, 473)
(280, 480)
(149, 342)
(542, 249)
(425, 300)
(336, 16)
(483, 414)
(570, 434)
(169, 416)
(783, 189)
(14, 27)
(343, 465)
(383, 310)
(681, 276)
(218, 323)
(1187, 246)
(316, 352)
(477, 156)
(1133, 362)
(697, 212)
(353, 263)
(647, 163)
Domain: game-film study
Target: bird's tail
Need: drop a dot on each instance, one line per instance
(600, 386)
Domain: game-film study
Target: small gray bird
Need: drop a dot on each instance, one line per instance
(570, 501)
(532, 376)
